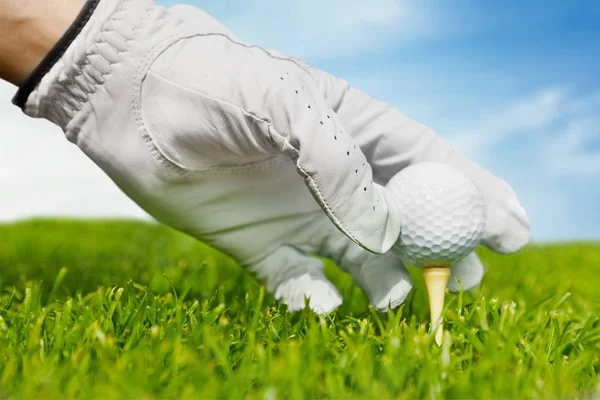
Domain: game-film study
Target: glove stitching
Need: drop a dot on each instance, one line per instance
(136, 88)
(253, 166)
(233, 170)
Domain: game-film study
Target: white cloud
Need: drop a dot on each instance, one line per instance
(41, 173)
(528, 115)
(315, 29)
(567, 153)
(561, 124)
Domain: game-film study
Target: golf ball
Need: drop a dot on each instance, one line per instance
(443, 214)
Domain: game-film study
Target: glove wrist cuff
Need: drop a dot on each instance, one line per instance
(82, 60)
(54, 54)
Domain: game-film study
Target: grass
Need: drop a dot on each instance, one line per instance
(121, 309)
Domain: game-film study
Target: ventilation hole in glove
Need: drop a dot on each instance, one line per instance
(321, 122)
(373, 208)
(308, 106)
(281, 77)
(296, 92)
(365, 188)
(356, 171)
(328, 116)
(335, 137)
(347, 153)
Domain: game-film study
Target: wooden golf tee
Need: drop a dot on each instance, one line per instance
(436, 279)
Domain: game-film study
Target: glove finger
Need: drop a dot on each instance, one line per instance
(291, 276)
(468, 273)
(507, 228)
(383, 278)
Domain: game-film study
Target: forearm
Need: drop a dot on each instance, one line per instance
(28, 30)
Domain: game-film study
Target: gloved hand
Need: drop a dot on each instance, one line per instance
(257, 154)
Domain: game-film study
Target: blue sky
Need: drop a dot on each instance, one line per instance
(514, 85)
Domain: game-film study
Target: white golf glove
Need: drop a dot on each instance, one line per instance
(257, 154)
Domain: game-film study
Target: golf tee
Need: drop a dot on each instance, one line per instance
(436, 280)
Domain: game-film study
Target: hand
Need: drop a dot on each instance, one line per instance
(255, 153)
(28, 29)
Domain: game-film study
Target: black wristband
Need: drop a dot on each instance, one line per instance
(54, 54)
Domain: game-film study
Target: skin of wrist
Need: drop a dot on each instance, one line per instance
(28, 31)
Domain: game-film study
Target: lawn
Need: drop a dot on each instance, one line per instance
(121, 309)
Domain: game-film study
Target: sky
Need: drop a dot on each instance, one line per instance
(514, 85)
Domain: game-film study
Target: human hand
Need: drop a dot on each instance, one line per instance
(257, 154)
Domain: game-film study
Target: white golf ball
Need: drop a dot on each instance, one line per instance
(443, 214)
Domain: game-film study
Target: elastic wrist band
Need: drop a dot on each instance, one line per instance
(55, 54)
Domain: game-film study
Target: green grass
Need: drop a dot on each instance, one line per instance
(131, 310)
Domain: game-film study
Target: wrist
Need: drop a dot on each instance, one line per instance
(29, 29)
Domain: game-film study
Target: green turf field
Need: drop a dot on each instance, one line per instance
(114, 310)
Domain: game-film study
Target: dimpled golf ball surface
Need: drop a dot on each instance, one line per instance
(443, 214)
